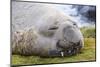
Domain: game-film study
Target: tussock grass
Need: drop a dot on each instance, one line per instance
(87, 54)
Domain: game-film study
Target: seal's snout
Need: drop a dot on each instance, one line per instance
(72, 41)
(77, 44)
(74, 49)
(70, 48)
(69, 45)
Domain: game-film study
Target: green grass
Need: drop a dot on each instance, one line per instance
(89, 32)
(87, 54)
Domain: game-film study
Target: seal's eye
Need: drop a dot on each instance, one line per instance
(74, 24)
(53, 28)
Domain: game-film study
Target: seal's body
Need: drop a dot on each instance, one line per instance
(40, 29)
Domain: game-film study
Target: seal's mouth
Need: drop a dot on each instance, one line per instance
(69, 48)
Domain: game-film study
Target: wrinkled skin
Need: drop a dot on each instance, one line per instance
(43, 30)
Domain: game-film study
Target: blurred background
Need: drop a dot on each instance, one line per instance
(84, 15)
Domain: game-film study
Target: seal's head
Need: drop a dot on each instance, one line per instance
(67, 35)
(70, 39)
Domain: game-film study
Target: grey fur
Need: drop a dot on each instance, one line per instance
(39, 29)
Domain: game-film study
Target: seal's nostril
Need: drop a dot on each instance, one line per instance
(78, 43)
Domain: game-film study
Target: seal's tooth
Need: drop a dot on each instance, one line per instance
(62, 54)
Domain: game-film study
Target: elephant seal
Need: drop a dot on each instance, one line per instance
(41, 29)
